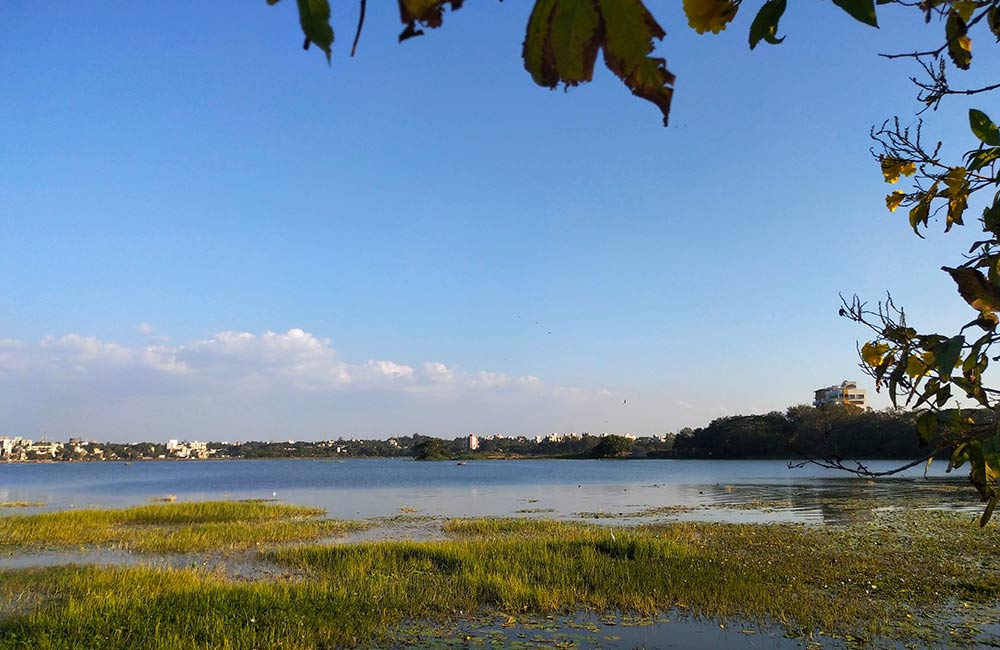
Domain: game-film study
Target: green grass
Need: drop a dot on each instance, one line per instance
(901, 576)
(172, 528)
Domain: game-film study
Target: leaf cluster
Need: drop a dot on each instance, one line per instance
(563, 37)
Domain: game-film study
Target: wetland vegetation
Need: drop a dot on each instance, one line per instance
(172, 528)
(920, 577)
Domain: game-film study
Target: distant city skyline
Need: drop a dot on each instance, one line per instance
(208, 232)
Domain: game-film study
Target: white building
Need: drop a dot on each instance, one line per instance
(7, 445)
(845, 393)
(472, 442)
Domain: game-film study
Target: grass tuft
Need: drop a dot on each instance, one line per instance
(172, 528)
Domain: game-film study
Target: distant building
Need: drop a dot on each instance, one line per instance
(472, 442)
(7, 445)
(187, 449)
(845, 393)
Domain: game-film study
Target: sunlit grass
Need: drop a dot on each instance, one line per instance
(172, 528)
(882, 578)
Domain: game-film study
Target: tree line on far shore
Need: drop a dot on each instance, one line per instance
(806, 432)
(801, 432)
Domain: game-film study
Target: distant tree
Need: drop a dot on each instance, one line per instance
(612, 447)
(430, 449)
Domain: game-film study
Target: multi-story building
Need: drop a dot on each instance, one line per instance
(7, 445)
(472, 442)
(847, 392)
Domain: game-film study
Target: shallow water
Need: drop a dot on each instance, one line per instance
(637, 490)
(674, 629)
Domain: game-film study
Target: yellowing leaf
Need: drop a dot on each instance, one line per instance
(915, 367)
(957, 191)
(965, 8)
(959, 44)
(892, 168)
(954, 180)
(920, 212)
(709, 15)
(629, 31)
(873, 353)
(893, 200)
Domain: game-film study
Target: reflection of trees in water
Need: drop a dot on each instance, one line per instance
(845, 501)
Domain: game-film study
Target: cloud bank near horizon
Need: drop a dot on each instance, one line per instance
(240, 385)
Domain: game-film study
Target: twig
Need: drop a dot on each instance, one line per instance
(361, 24)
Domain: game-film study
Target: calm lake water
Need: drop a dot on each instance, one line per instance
(596, 490)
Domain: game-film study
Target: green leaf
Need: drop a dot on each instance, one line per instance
(629, 32)
(920, 213)
(983, 157)
(896, 376)
(983, 475)
(765, 23)
(429, 13)
(984, 128)
(991, 453)
(943, 395)
(927, 425)
(993, 20)
(861, 10)
(975, 289)
(959, 44)
(576, 28)
(314, 16)
(959, 455)
(991, 216)
(562, 41)
(539, 59)
(947, 355)
(988, 512)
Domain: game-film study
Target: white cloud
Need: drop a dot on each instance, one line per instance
(438, 373)
(234, 361)
(144, 328)
(235, 382)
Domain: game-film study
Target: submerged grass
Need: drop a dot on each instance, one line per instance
(898, 577)
(172, 528)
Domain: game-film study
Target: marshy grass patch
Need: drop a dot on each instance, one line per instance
(173, 527)
(915, 577)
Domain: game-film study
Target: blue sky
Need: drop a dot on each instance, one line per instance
(208, 232)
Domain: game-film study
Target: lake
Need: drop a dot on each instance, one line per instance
(598, 490)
